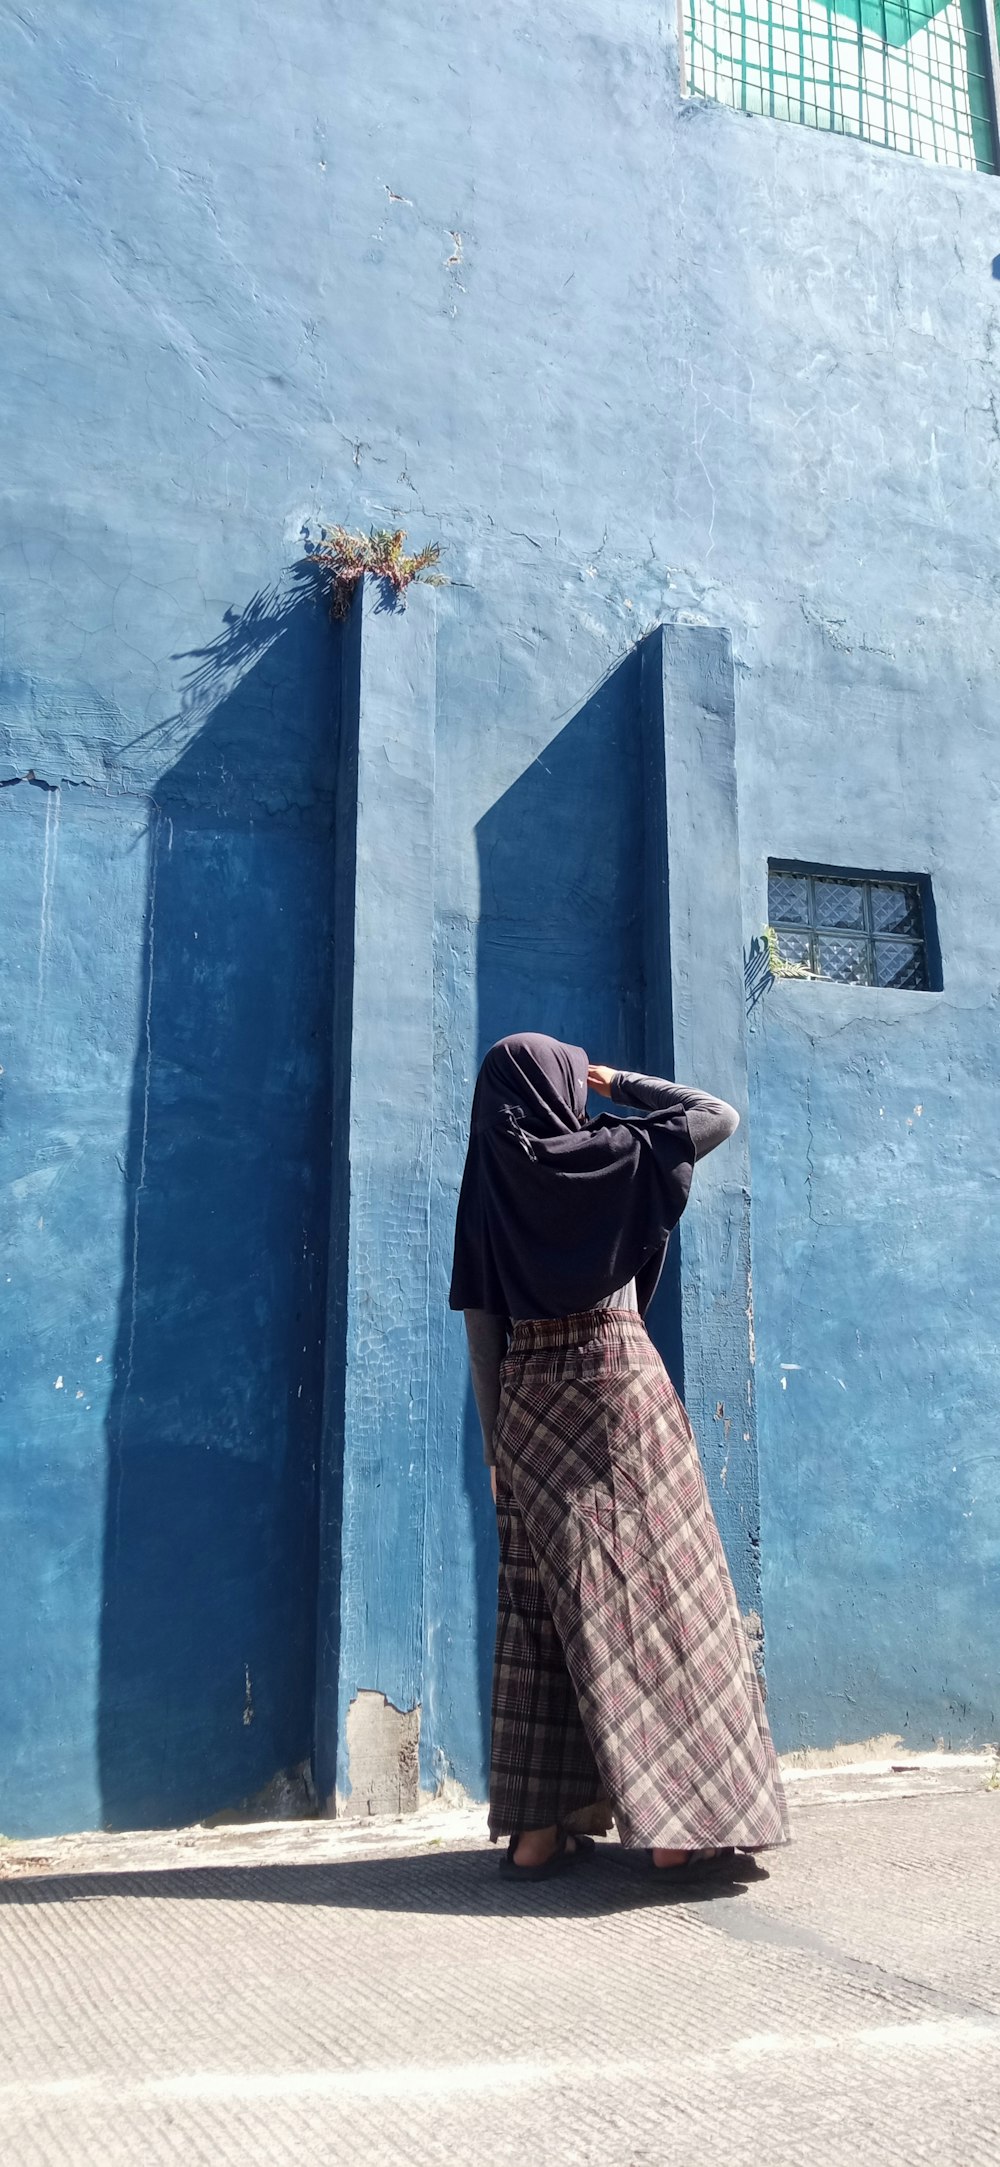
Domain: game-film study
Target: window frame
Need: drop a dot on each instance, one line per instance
(868, 877)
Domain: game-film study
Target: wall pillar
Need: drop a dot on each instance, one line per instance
(372, 1478)
(696, 1021)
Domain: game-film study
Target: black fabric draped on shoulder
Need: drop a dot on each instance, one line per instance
(556, 1211)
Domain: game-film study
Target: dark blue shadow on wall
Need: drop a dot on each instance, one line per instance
(562, 949)
(208, 1636)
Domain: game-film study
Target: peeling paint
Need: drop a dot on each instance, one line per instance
(383, 1758)
(753, 1625)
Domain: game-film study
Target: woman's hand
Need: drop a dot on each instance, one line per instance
(493, 1483)
(600, 1079)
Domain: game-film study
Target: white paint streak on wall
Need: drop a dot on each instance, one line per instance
(147, 1070)
(147, 1045)
(50, 854)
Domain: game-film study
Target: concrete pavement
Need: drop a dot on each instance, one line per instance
(328, 1992)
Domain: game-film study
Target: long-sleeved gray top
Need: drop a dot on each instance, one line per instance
(709, 1121)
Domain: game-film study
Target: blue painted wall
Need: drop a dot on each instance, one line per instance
(630, 360)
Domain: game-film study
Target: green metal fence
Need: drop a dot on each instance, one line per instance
(912, 75)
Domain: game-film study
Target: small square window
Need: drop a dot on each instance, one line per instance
(858, 929)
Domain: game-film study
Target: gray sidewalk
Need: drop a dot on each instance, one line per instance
(320, 1992)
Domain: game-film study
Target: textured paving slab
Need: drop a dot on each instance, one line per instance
(386, 1998)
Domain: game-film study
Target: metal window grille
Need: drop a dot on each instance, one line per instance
(911, 75)
(861, 931)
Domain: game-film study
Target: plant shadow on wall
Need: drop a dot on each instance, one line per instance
(208, 1627)
(561, 949)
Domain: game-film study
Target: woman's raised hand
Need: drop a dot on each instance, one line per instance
(600, 1079)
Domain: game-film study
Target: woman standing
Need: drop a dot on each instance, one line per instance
(623, 1683)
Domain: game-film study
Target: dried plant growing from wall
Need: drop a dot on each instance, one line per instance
(777, 964)
(341, 559)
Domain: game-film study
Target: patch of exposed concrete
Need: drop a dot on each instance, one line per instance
(383, 1759)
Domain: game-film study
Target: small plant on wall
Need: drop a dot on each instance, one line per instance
(777, 964)
(341, 560)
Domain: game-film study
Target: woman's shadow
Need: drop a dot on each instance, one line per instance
(458, 1884)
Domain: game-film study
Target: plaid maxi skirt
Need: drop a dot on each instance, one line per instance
(623, 1681)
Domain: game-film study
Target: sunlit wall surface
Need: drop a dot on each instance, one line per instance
(907, 74)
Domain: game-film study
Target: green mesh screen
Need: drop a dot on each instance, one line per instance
(909, 74)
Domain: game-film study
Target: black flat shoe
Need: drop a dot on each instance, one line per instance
(558, 1861)
(696, 1867)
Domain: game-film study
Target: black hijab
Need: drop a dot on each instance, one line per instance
(557, 1212)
